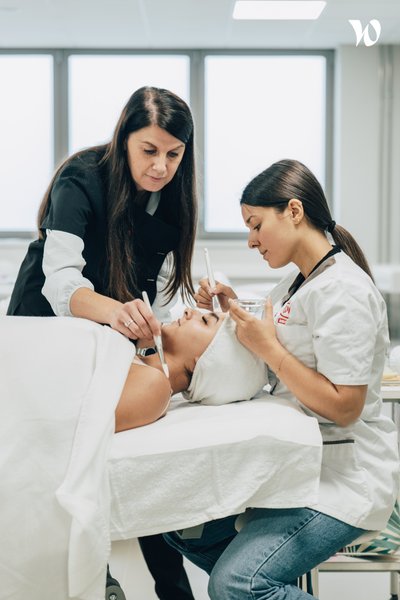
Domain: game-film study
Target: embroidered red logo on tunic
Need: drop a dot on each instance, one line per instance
(284, 314)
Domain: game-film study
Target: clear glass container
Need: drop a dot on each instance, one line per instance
(254, 306)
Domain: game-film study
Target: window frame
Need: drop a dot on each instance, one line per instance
(197, 102)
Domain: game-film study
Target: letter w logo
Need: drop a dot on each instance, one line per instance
(360, 33)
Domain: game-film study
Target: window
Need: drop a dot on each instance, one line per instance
(26, 140)
(100, 85)
(258, 109)
(250, 108)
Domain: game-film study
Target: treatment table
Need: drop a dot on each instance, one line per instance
(69, 485)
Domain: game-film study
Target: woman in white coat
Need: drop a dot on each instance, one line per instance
(324, 337)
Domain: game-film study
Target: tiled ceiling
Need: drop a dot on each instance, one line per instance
(181, 24)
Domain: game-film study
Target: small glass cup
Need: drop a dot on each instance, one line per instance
(254, 306)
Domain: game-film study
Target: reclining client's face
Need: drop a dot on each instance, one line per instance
(190, 335)
(212, 366)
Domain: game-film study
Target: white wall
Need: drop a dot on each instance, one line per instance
(367, 148)
(357, 144)
(395, 161)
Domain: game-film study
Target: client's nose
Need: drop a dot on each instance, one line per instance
(189, 313)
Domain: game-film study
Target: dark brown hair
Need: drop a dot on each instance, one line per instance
(147, 106)
(287, 179)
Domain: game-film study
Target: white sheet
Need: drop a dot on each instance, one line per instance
(204, 462)
(60, 380)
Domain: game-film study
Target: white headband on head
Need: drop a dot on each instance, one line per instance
(226, 371)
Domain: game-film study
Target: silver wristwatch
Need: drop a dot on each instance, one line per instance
(146, 351)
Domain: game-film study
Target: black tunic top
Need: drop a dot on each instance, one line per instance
(78, 205)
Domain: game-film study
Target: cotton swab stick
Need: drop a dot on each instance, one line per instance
(157, 339)
(215, 302)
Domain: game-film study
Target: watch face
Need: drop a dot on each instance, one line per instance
(145, 351)
(150, 351)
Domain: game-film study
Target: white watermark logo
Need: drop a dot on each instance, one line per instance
(364, 33)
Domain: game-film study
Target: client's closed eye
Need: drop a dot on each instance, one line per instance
(216, 317)
(211, 314)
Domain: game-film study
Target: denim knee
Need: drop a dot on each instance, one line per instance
(228, 584)
(219, 581)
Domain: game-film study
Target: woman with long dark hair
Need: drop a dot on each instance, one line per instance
(113, 218)
(324, 337)
(116, 220)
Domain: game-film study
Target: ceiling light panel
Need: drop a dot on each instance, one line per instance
(278, 10)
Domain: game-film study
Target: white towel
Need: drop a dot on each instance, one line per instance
(205, 462)
(60, 380)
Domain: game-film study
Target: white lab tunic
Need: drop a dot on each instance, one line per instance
(336, 324)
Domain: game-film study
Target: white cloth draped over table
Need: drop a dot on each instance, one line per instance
(64, 476)
(60, 380)
(205, 462)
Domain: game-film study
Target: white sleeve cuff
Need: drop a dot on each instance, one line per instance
(62, 266)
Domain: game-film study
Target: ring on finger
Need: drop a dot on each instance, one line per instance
(127, 323)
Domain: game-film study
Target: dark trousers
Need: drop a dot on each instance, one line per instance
(166, 566)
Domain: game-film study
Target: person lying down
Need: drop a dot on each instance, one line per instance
(206, 362)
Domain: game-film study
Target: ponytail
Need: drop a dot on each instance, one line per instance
(288, 179)
(348, 244)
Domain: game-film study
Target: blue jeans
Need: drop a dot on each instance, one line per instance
(264, 560)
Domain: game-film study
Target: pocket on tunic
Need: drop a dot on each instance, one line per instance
(343, 479)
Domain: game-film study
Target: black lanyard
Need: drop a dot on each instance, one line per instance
(300, 277)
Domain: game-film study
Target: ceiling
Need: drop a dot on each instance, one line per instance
(148, 24)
